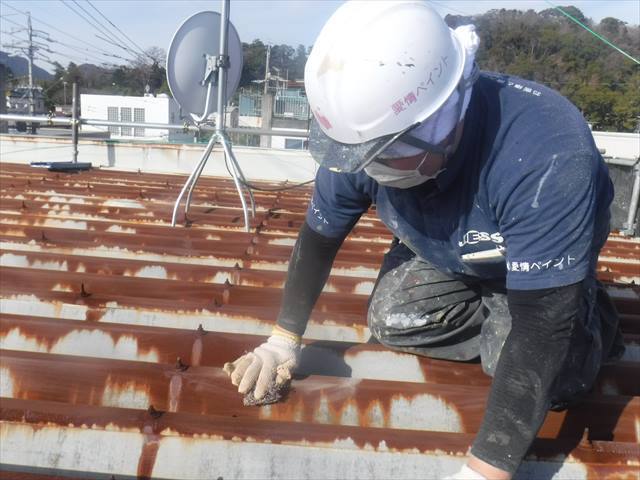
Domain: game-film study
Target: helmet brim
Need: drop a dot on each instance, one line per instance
(344, 157)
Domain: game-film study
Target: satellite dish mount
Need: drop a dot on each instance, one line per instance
(194, 83)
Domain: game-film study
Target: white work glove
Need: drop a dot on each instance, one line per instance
(272, 363)
(465, 473)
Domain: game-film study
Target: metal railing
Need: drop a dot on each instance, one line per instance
(289, 106)
(161, 126)
(250, 104)
(218, 136)
(630, 227)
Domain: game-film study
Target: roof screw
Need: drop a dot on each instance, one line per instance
(153, 412)
(290, 223)
(168, 184)
(83, 292)
(226, 293)
(216, 303)
(201, 331)
(89, 187)
(29, 182)
(24, 205)
(584, 441)
(181, 366)
(139, 172)
(237, 266)
(141, 195)
(43, 237)
(187, 222)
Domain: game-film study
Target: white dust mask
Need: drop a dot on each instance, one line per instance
(397, 178)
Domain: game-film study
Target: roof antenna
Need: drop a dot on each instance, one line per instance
(205, 62)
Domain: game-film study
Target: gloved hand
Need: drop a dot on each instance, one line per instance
(465, 473)
(272, 363)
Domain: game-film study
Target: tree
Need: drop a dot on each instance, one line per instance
(296, 71)
(546, 47)
(145, 69)
(73, 74)
(255, 55)
(611, 26)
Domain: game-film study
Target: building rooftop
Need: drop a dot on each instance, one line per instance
(114, 327)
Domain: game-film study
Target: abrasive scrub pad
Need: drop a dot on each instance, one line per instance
(274, 394)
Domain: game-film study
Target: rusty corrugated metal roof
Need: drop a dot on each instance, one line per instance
(114, 327)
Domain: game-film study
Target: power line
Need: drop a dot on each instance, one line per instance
(105, 29)
(82, 41)
(116, 27)
(13, 34)
(47, 37)
(15, 23)
(113, 41)
(84, 50)
(444, 5)
(82, 57)
(597, 35)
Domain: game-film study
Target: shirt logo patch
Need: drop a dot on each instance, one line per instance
(473, 237)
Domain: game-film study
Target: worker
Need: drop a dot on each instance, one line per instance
(498, 200)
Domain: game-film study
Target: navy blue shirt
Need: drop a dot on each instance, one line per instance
(525, 197)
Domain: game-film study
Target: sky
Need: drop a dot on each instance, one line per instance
(143, 24)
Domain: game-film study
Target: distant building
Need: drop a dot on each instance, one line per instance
(284, 109)
(146, 109)
(18, 101)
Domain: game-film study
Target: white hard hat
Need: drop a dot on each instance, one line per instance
(376, 69)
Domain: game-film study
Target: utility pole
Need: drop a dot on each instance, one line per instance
(266, 70)
(32, 105)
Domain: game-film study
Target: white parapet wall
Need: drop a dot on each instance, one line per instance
(256, 163)
(271, 164)
(618, 145)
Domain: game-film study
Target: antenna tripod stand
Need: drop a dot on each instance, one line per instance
(215, 73)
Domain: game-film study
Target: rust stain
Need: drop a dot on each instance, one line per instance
(150, 448)
(92, 261)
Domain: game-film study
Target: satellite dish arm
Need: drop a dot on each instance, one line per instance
(203, 117)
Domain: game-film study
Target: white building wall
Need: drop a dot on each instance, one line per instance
(278, 141)
(251, 122)
(156, 110)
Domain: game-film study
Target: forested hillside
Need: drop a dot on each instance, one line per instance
(547, 47)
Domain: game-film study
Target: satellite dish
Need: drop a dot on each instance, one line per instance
(191, 63)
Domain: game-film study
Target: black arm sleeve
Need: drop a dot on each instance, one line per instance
(309, 268)
(534, 354)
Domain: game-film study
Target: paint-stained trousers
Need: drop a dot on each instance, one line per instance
(415, 308)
